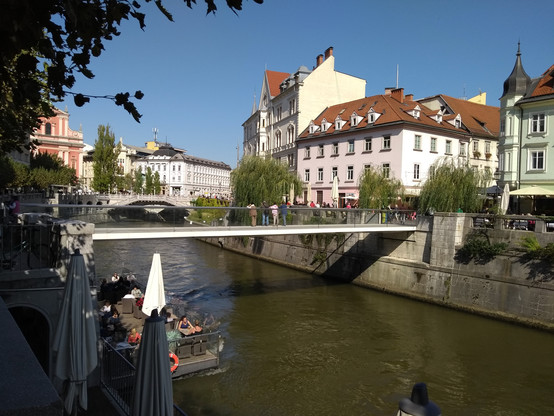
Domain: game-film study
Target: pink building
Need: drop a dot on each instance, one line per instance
(55, 137)
(392, 132)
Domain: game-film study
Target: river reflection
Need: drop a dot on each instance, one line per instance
(295, 344)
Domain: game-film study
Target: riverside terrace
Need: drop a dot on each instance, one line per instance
(114, 222)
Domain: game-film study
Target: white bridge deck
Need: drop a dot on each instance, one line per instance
(240, 231)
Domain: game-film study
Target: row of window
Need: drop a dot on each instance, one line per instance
(177, 167)
(386, 145)
(536, 161)
(278, 137)
(198, 180)
(537, 124)
(385, 169)
(279, 111)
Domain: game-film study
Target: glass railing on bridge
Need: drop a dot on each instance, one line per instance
(137, 216)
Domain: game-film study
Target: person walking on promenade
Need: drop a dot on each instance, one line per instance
(265, 213)
(275, 213)
(253, 213)
(284, 212)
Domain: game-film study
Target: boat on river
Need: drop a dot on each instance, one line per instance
(186, 354)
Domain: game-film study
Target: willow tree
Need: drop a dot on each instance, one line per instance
(451, 186)
(258, 179)
(377, 189)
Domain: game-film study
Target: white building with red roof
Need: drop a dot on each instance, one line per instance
(392, 132)
(289, 101)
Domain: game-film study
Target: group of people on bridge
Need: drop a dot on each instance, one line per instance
(267, 209)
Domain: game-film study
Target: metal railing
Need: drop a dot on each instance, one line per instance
(28, 246)
(537, 224)
(117, 378)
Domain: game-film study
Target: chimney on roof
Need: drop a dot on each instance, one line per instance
(409, 97)
(388, 90)
(319, 60)
(328, 52)
(398, 94)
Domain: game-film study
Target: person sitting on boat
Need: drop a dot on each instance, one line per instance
(113, 321)
(131, 278)
(134, 337)
(197, 327)
(185, 327)
(136, 292)
(107, 308)
(115, 278)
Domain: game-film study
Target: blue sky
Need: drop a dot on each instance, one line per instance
(200, 74)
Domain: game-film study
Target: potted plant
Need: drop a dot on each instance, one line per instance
(488, 155)
(476, 154)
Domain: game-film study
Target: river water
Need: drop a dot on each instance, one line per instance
(296, 344)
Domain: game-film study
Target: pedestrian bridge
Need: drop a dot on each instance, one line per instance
(242, 231)
(138, 199)
(116, 222)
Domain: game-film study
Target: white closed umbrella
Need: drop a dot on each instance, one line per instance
(291, 193)
(153, 393)
(505, 199)
(335, 191)
(154, 297)
(75, 340)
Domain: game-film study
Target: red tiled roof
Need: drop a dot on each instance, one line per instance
(274, 80)
(545, 85)
(390, 111)
(481, 120)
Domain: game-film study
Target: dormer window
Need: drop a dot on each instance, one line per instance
(313, 127)
(339, 123)
(325, 125)
(372, 116)
(438, 117)
(415, 112)
(355, 119)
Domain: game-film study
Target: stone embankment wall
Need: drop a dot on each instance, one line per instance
(425, 265)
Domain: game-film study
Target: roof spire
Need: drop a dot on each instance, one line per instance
(518, 81)
(254, 106)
